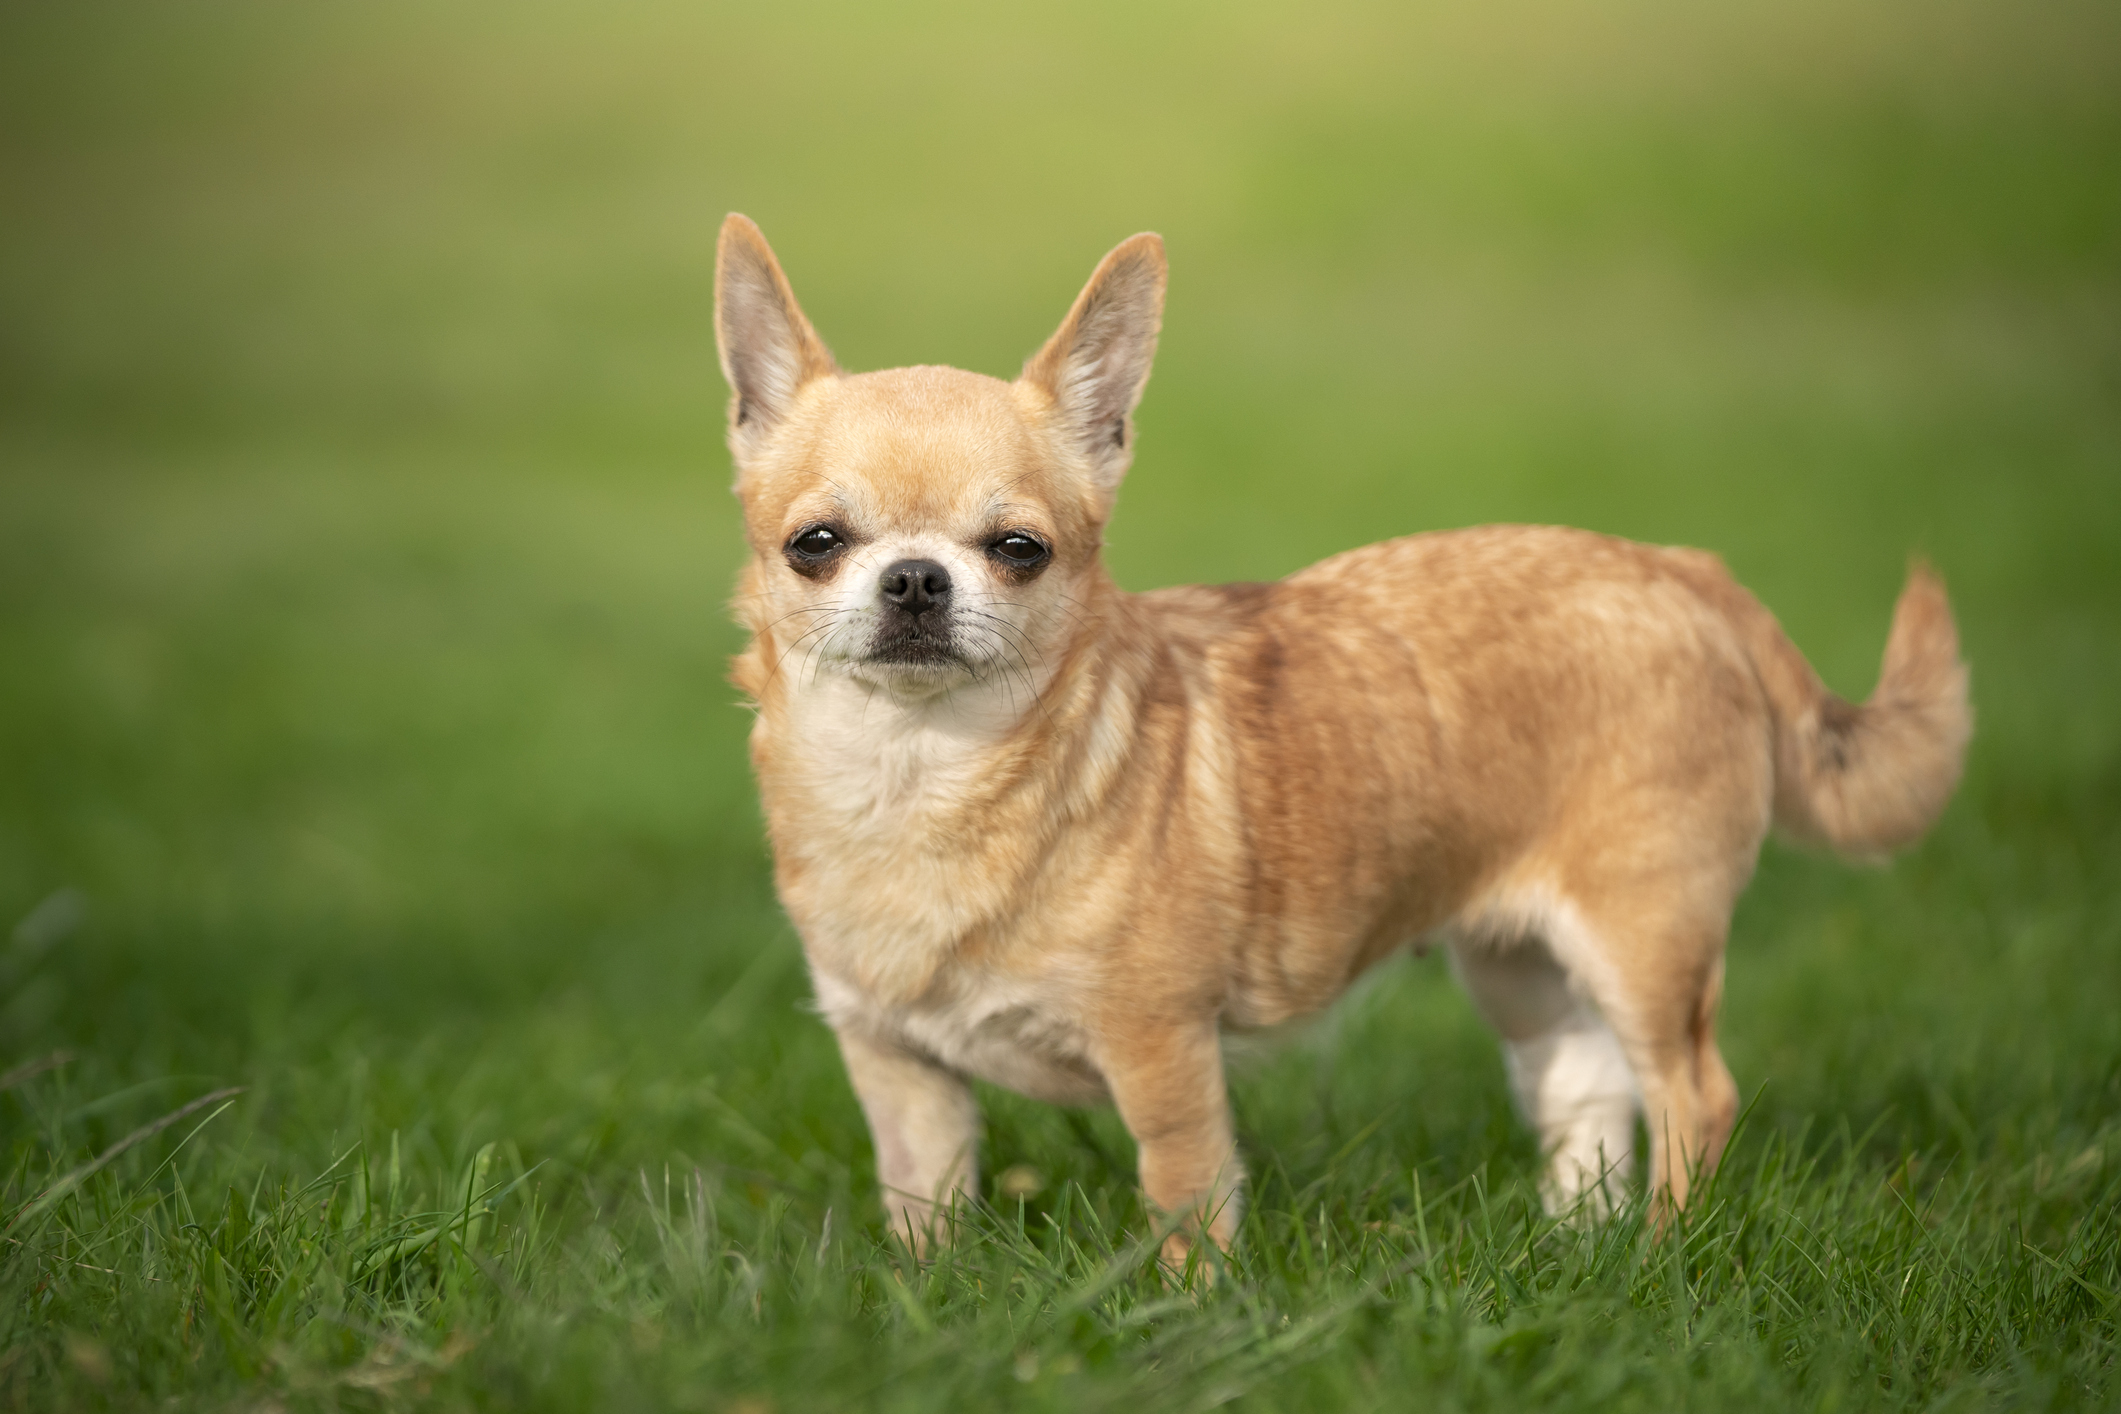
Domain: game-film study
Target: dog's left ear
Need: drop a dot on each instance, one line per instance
(1094, 366)
(769, 351)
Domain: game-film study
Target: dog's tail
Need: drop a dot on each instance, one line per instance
(1866, 779)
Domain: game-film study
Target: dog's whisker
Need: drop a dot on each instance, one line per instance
(1021, 669)
(1012, 673)
(1025, 669)
(826, 627)
(776, 623)
(1077, 615)
(816, 649)
(1016, 637)
(795, 642)
(1000, 642)
(1011, 629)
(1008, 680)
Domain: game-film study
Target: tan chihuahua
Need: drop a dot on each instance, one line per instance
(1038, 831)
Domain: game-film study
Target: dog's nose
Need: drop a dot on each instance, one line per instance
(915, 585)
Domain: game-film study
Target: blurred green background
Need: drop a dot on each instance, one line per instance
(364, 531)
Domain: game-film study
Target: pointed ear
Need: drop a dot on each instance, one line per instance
(1094, 366)
(769, 351)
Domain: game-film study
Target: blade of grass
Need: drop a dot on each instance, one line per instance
(73, 1179)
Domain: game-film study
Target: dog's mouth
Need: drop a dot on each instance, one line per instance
(914, 646)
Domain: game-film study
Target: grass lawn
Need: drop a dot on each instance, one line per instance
(365, 750)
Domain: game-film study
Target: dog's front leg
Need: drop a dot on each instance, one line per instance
(1168, 1083)
(925, 1126)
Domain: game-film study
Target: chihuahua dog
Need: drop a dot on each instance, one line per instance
(1038, 831)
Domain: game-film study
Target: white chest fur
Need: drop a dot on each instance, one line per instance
(894, 873)
(888, 871)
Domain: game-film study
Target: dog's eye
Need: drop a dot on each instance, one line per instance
(817, 542)
(1019, 551)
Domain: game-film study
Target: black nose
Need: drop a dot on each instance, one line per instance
(915, 585)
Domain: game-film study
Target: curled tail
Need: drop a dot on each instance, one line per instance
(1871, 778)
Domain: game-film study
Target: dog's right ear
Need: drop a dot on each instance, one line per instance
(769, 351)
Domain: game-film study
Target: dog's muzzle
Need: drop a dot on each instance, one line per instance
(914, 624)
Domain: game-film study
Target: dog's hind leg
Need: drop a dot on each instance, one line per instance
(1654, 965)
(1567, 1068)
(1719, 1092)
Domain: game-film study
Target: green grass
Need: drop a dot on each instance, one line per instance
(364, 741)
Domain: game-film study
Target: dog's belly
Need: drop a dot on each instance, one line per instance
(1005, 1032)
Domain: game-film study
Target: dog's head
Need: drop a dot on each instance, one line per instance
(923, 529)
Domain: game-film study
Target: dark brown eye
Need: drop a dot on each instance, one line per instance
(1018, 551)
(817, 543)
